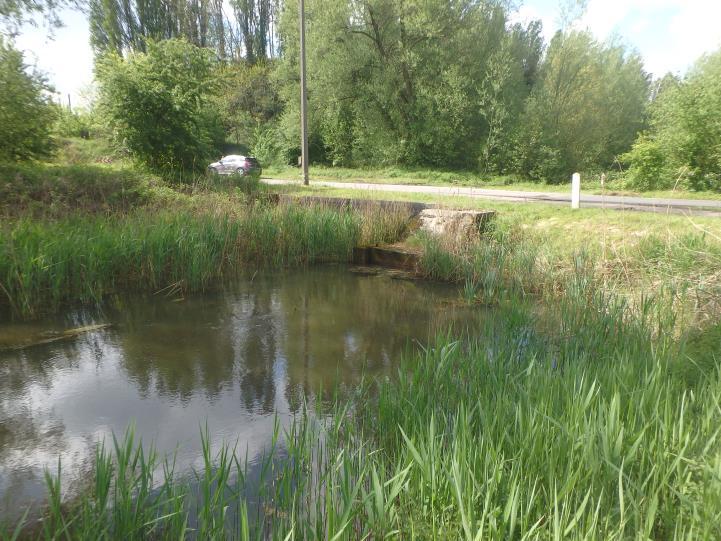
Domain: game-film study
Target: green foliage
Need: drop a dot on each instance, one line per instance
(78, 123)
(587, 108)
(248, 100)
(123, 26)
(26, 112)
(267, 146)
(412, 82)
(15, 12)
(649, 169)
(454, 85)
(685, 129)
(97, 150)
(159, 105)
(50, 190)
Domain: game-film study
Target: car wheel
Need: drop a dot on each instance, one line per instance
(240, 171)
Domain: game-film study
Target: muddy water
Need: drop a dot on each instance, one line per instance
(232, 359)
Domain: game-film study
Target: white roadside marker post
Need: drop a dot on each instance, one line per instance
(576, 191)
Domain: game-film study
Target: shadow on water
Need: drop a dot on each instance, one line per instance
(237, 360)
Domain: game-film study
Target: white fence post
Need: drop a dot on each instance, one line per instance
(576, 191)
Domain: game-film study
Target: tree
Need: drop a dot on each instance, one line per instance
(159, 104)
(587, 107)
(126, 25)
(402, 81)
(683, 144)
(255, 27)
(15, 12)
(26, 111)
(248, 99)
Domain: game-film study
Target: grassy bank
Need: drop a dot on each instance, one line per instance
(91, 224)
(615, 183)
(517, 433)
(187, 245)
(539, 248)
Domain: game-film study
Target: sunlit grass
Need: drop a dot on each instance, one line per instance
(592, 431)
(615, 183)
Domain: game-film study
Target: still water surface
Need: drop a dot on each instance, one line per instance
(232, 359)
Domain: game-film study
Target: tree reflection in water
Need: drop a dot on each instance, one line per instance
(231, 358)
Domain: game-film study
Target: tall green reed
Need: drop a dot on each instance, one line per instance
(44, 264)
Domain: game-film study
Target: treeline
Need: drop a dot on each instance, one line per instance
(238, 30)
(452, 85)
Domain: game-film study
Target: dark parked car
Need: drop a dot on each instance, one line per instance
(234, 164)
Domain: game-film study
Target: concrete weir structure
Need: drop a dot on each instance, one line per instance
(395, 256)
(458, 226)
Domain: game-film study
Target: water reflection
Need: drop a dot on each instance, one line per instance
(233, 359)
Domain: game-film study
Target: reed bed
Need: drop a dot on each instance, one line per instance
(509, 434)
(45, 264)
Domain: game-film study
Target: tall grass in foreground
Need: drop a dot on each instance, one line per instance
(511, 434)
(46, 263)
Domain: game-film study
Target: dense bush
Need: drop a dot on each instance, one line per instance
(268, 146)
(649, 168)
(684, 143)
(26, 112)
(248, 99)
(159, 105)
(78, 123)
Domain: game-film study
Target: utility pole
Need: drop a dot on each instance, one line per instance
(303, 98)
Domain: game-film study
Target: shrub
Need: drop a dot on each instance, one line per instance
(43, 190)
(648, 166)
(73, 123)
(26, 113)
(685, 132)
(267, 146)
(158, 104)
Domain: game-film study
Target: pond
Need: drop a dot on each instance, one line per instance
(232, 359)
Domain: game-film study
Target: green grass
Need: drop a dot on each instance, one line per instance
(97, 150)
(45, 264)
(43, 190)
(592, 431)
(535, 248)
(591, 182)
(602, 233)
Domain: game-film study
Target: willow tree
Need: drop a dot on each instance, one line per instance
(401, 81)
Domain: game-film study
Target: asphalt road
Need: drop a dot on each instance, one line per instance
(696, 207)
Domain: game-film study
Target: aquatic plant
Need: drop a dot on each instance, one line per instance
(590, 432)
(44, 264)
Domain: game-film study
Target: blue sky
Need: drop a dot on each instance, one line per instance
(669, 34)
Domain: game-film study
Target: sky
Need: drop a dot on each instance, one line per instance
(669, 34)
